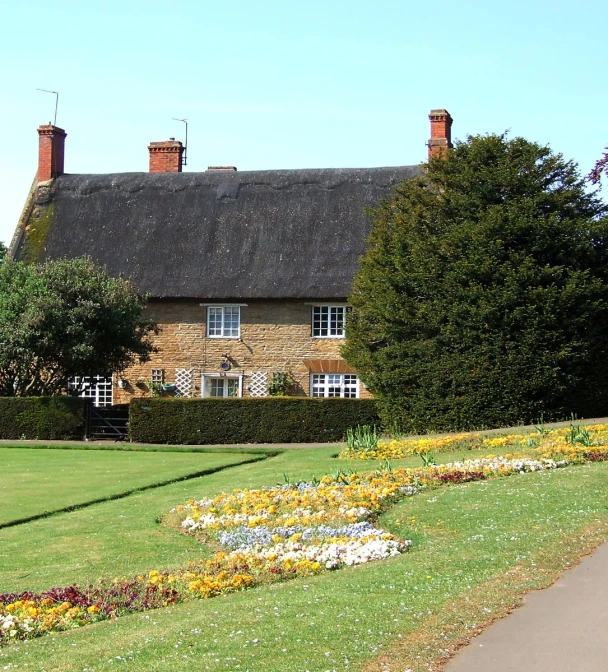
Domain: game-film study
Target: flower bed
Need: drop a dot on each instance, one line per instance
(266, 535)
(569, 442)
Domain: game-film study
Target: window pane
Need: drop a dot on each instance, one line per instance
(214, 322)
(223, 321)
(320, 320)
(231, 321)
(158, 376)
(334, 385)
(334, 390)
(328, 321)
(335, 325)
(221, 387)
(216, 387)
(350, 386)
(317, 387)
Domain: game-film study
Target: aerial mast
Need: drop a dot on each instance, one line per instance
(185, 154)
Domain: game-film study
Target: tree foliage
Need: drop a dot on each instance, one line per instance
(483, 299)
(600, 168)
(64, 319)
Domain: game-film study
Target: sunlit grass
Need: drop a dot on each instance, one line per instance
(467, 537)
(36, 481)
(477, 547)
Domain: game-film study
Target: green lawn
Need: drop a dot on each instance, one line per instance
(35, 481)
(477, 548)
(122, 537)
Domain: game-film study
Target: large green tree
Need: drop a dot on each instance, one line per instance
(483, 298)
(64, 319)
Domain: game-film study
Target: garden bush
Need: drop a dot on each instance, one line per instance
(268, 420)
(42, 418)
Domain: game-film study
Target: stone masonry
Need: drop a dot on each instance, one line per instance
(275, 336)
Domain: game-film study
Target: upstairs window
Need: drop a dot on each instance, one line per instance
(329, 321)
(223, 321)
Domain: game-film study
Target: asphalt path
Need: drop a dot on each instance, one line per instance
(563, 628)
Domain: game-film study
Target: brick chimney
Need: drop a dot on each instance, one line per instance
(166, 157)
(51, 142)
(441, 132)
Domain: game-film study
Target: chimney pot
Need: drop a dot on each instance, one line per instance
(51, 144)
(441, 132)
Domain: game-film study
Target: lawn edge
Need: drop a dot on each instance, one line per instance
(440, 636)
(262, 449)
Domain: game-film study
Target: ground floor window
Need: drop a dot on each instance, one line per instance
(222, 386)
(158, 376)
(97, 388)
(334, 385)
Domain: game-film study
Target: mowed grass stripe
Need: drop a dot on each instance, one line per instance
(35, 483)
(128, 493)
(513, 534)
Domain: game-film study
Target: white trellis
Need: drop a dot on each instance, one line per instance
(258, 385)
(97, 388)
(183, 381)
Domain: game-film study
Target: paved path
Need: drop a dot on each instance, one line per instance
(563, 628)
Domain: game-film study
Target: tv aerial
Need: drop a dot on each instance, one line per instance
(56, 102)
(185, 156)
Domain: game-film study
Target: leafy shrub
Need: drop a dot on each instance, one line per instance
(266, 420)
(280, 383)
(44, 418)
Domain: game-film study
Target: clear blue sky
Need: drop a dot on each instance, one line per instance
(289, 84)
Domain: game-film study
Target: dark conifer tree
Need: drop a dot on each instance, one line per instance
(483, 298)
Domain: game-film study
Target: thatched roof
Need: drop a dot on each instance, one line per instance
(218, 235)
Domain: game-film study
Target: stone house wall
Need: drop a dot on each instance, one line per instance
(275, 336)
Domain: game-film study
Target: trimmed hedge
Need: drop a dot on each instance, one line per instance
(42, 418)
(268, 420)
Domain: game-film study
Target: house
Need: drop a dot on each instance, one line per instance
(247, 273)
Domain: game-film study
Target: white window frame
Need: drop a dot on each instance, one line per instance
(331, 382)
(157, 376)
(345, 308)
(98, 391)
(223, 308)
(206, 387)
